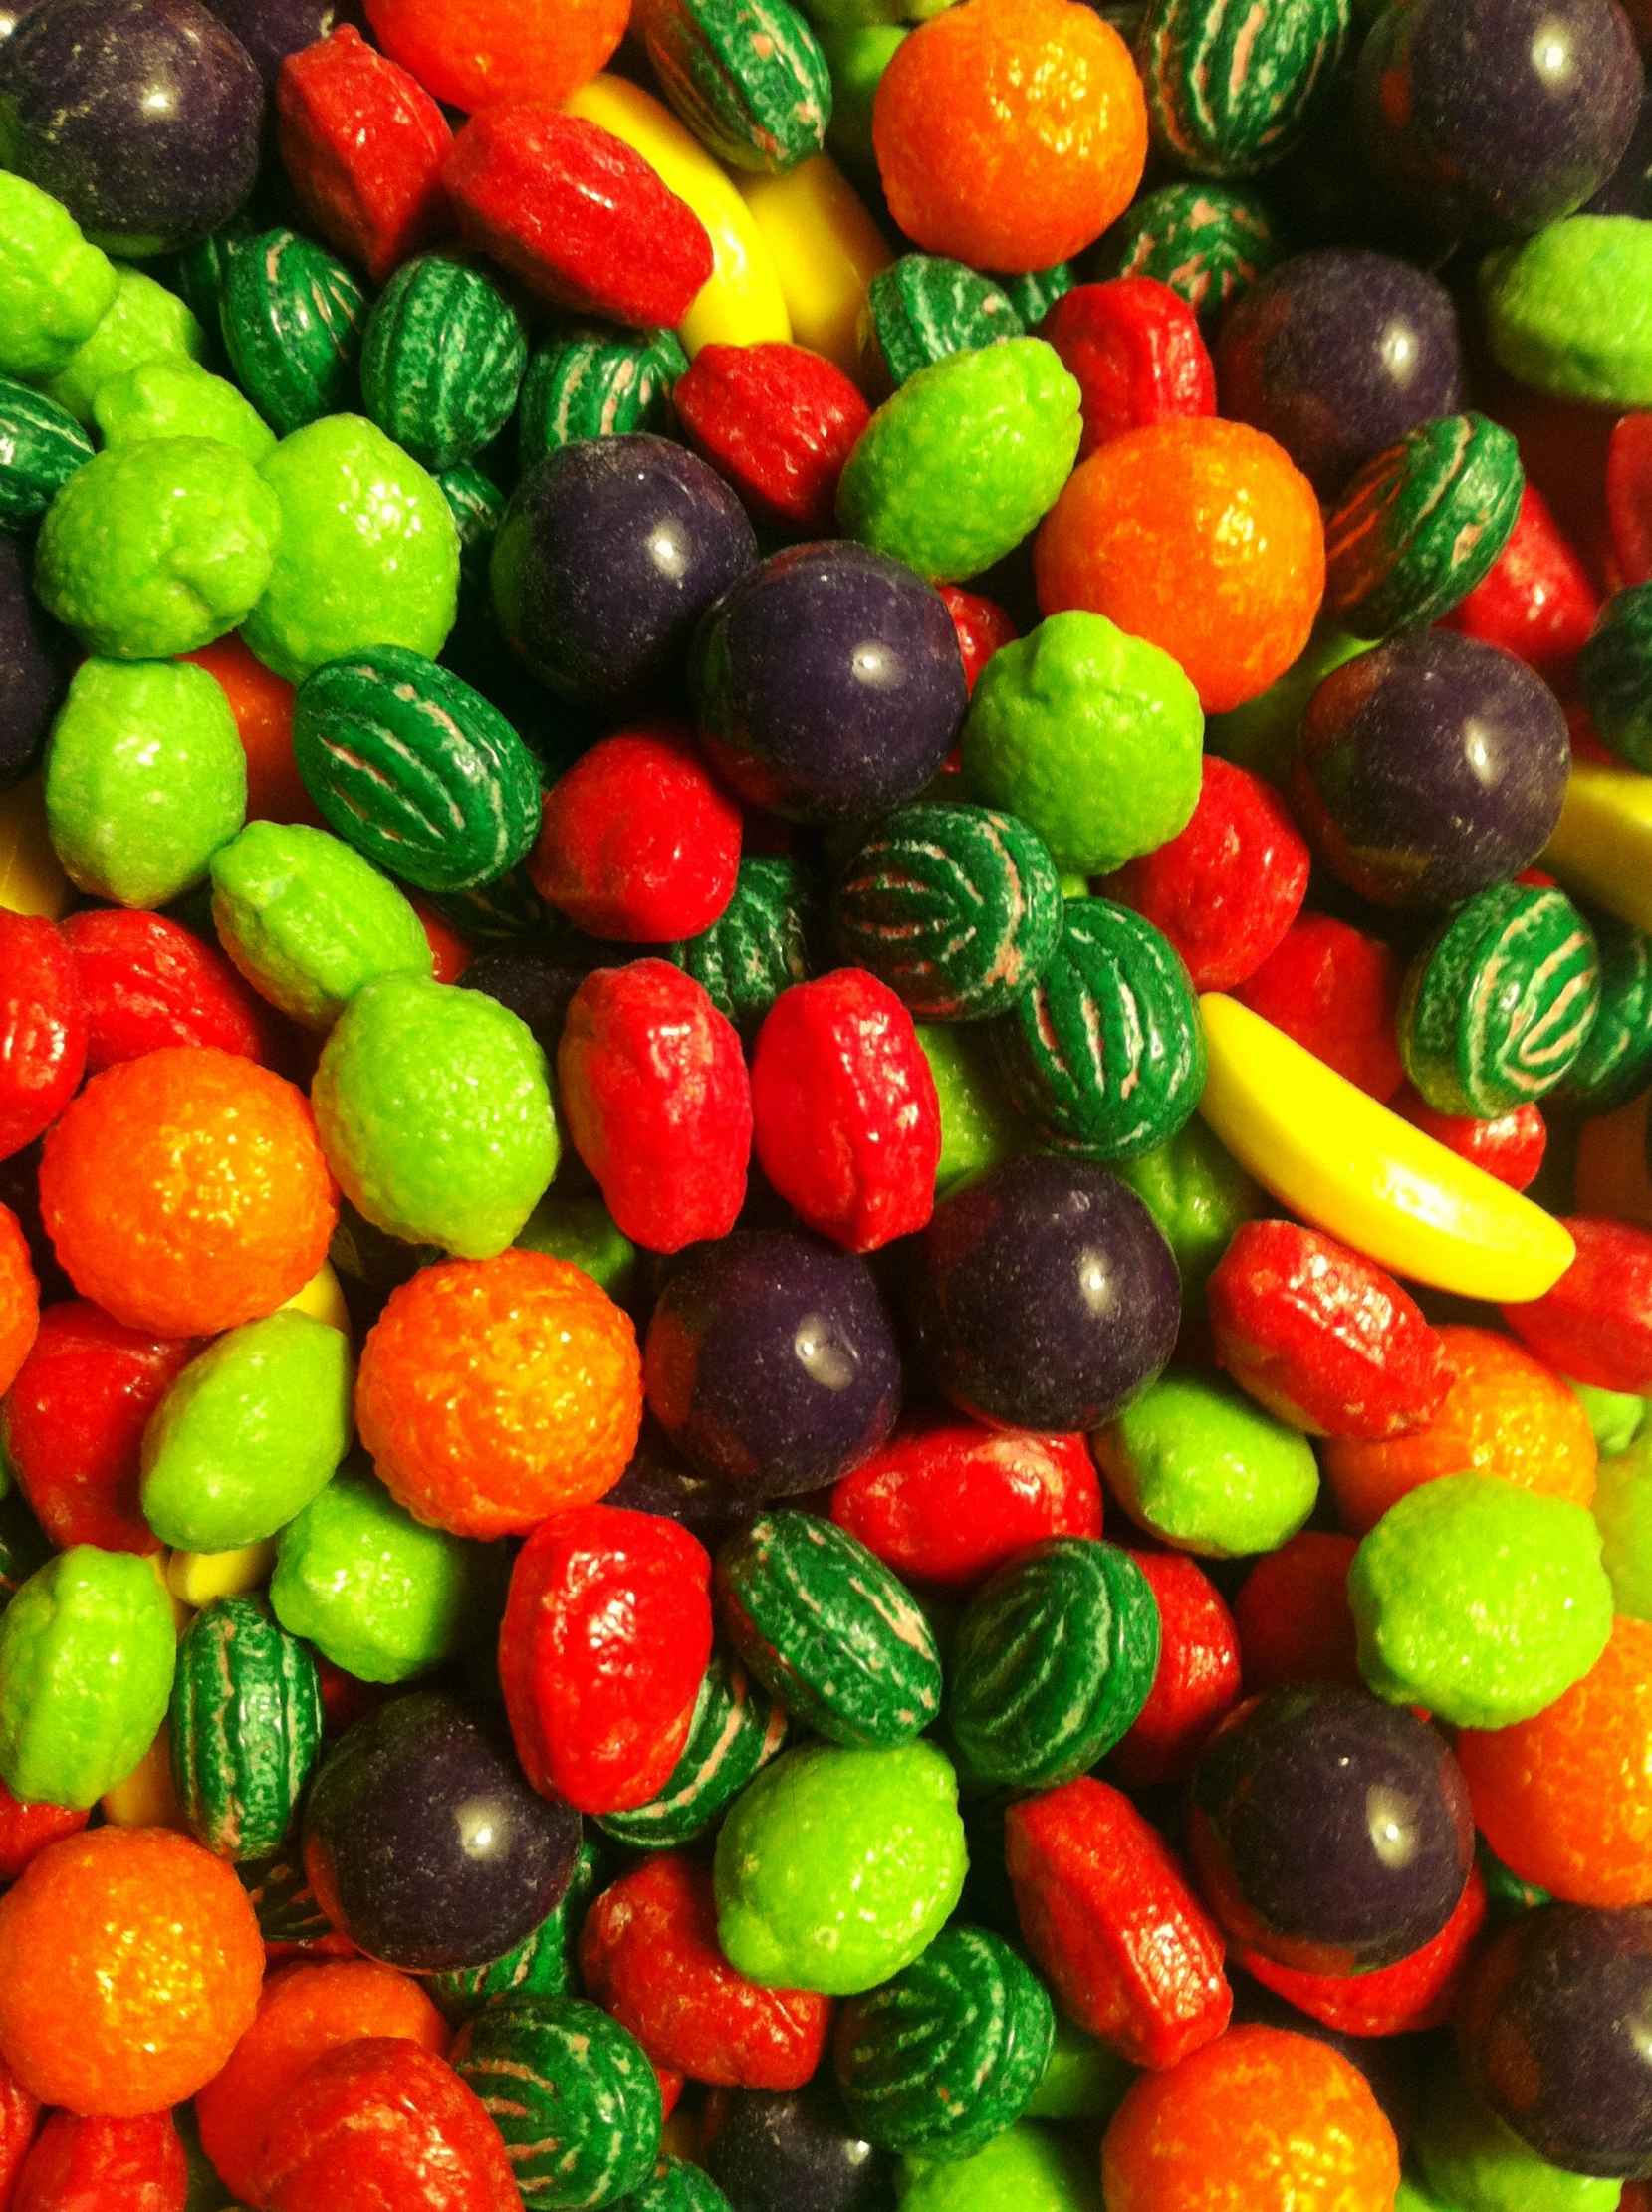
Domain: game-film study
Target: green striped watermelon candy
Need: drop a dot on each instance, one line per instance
(278, 1891)
(596, 384)
(41, 447)
(1616, 1063)
(415, 769)
(442, 361)
(676, 2186)
(1053, 1660)
(542, 1965)
(736, 1728)
(829, 1630)
(957, 908)
(1208, 242)
(939, 2061)
(245, 1727)
(1035, 293)
(477, 506)
(293, 318)
(748, 77)
(1615, 672)
(759, 945)
(573, 2094)
(922, 308)
(1232, 87)
(199, 272)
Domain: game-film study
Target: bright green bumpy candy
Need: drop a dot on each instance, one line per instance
(946, 2056)
(245, 1727)
(145, 323)
(157, 549)
(543, 1963)
(442, 361)
(736, 1728)
(308, 921)
(596, 384)
(248, 1433)
(1623, 1513)
(145, 779)
(1197, 1464)
(435, 1111)
(748, 77)
(172, 398)
(1052, 1661)
(1025, 2169)
(829, 1630)
(954, 472)
(1480, 1600)
(836, 1868)
(1092, 737)
(572, 2091)
(1567, 311)
(293, 321)
(1231, 87)
(368, 554)
(1208, 242)
(41, 448)
(759, 944)
(1198, 1195)
(923, 307)
(87, 1648)
(1500, 1001)
(979, 1127)
(54, 289)
(1615, 672)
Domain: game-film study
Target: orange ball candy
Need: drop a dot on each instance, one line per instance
(1011, 133)
(1260, 2121)
(472, 53)
(130, 1967)
(1202, 537)
(186, 1192)
(262, 705)
(493, 1392)
(19, 1298)
(1565, 1800)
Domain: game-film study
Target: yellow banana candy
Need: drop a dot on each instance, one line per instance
(826, 250)
(32, 880)
(1602, 844)
(196, 1578)
(1351, 1168)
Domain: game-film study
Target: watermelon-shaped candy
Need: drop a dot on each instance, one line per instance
(245, 1727)
(676, 2186)
(737, 1728)
(595, 383)
(542, 1965)
(1232, 86)
(278, 1891)
(924, 307)
(293, 321)
(1208, 242)
(1616, 1063)
(1615, 672)
(443, 359)
(573, 2094)
(41, 447)
(748, 77)
(759, 944)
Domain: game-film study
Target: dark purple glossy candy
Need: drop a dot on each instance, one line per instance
(1429, 769)
(424, 1844)
(1628, 190)
(658, 1481)
(828, 685)
(771, 1363)
(769, 2149)
(270, 30)
(1042, 1295)
(32, 679)
(1337, 354)
(1329, 1831)
(1555, 2029)
(12, 13)
(611, 551)
(1492, 118)
(140, 115)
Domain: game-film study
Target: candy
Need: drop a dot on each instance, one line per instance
(1031, 2167)
(1208, 242)
(763, 2146)
(1592, 1324)
(593, 383)
(145, 982)
(978, 1124)
(571, 2091)
(1199, 1466)
(1620, 1515)
(824, 249)
(145, 323)
(293, 318)
(482, 51)
(1197, 1680)
(442, 361)
(1612, 669)
(54, 289)
(1414, 1994)
(42, 1028)
(1227, 94)
(1464, 2148)
(735, 1729)
(947, 1504)
(244, 1728)
(1557, 317)
(78, 2163)
(542, 1964)
(33, 679)
(753, 88)
(759, 945)
(637, 843)
(41, 447)
(777, 422)
(1537, 600)
(923, 307)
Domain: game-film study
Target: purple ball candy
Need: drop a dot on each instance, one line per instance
(270, 30)
(32, 673)
(12, 13)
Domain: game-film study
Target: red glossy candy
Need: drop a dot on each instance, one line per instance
(364, 144)
(947, 1503)
(104, 2165)
(845, 1119)
(983, 629)
(1413, 1994)
(1114, 1925)
(1135, 349)
(1629, 495)
(1224, 890)
(1197, 1683)
(580, 220)
(776, 422)
(648, 1954)
(25, 1831)
(145, 982)
(1511, 1147)
(1337, 992)
(1322, 1336)
(606, 1638)
(1537, 603)
(1292, 1615)
(42, 1028)
(637, 843)
(1595, 1325)
(18, 2114)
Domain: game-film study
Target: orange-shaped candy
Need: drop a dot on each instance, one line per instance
(491, 1392)
(472, 53)
(129, 1965)
(185, 1193)
(1011, 133)
(1261, 2121)
(1200, 536)
(19, 1298)
(1565, 1800)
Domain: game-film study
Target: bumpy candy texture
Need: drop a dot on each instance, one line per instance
(777, 422)
(596, 384)
(484, 51)
(41, 447)
(1197, 1465)
(245, 1727)
(145, 982)
(1208, 242)
(1228, 94)
(54, 289)
(748, 77)
(1197, 1681)
(145, 323)
(43, 1026)
(293, 318)
(442, 361)
(1615, 672)
(1555, 316)
(759, 945)
(924, 307)
(735, 1729)
(1133, 346)
(1594, 1324)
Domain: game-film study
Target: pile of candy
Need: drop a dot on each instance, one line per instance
(794, 802)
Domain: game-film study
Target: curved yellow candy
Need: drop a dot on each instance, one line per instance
(1602, 844)
(148, 1796)
(196, 1578)
(1361, 1173)
(32, 880)
(322, 1300)
(827, 249)
(740, 303)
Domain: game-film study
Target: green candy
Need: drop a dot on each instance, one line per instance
(736, 1728)
(573, 2094)
(248, 1433)
(1474, 2162)
(582, 1232)
(1616, 1063)
(293, 320)
(543, 1963)
(954, 472)
(1623, 1515)
(368, 554)
(1084, 2080)
(279, 1892)
(1231, 88)
(1025, 2169)
(979, 1127)
(836, 1868)
(677, 2186)
(596, 384)
(131, 820)
(433, 1107)
(1615, 672)
(1261, 735)
(857, 54)
(477, 506)
(87, 1648)
(54, 289)
(157, 549)
(199, 273)
(309, 922)
(245, 1727)
(1614, 1416)
(41, 448)
(1092, 737)
(1208, 242)
(376, 1592)
(1499, 1001)
(1198, 1195)
(442, 361)
(829, 1631)
(923, 307)
(1197, 1464)
(172, 398)
(1035, 291)
(145, 321)
(1421, 525)
(747, 77)
(1052, 1661)
(759, 944)
(1480, 1600)
(1570, 312)
(498, 913)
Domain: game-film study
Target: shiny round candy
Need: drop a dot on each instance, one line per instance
(1227, 93)
(759, 945)
(735, 1730)
(749, 80)
(1615, 670)
(245, 1727)
(294, 319)
(41, 447)
(571, 2091)
(442, 361)
(1208, 242)
(771, 2148)
(594, 383)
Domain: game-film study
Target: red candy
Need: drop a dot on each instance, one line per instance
(580, 220)
(1595, 1325)
(363, 144)
(1511, 1147)
(42, 1028)
(104, 2165)
(1337, 993)
(1537, 603)
(25, 1831)
(18, 2113)
(1292, 1615)
(637, 843)
(776, 422)
(648, 1954)
(657, 1101)
(145, 982)
(1413, 1994)
(1629, 495)
(1197, 1683)
(1224, 890)
(1134, 349)
(845, 1119)
(982, 626)
(606, 1638)
(948, 1502)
